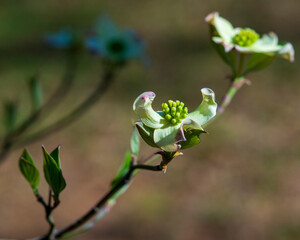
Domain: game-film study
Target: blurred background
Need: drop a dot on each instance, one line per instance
(241, 182)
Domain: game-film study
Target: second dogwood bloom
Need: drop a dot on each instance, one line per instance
(246, 40)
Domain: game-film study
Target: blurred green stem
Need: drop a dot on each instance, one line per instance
(241, 64)
(232, 60)
(235, 85)
(13, 140)
(10, 139)
(107, 79)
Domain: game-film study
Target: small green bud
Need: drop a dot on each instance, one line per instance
(177, 114)
(170, 103)
(179, 108)
(185, 110)
(177, 102)
(168, 117)
(167, 109)
(181, 104)
(173, 121)
(173, 109)
(174, 104)
(164, 105)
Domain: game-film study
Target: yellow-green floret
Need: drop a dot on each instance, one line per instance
(174, 111)
(246, 37)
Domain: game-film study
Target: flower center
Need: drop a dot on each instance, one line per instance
(246, 37)
(116, 46)
(174, 111)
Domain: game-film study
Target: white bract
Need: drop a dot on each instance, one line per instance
(173, 128)
(246, 40)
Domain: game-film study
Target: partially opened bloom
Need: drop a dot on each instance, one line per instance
(246, 40)
(114, 44)
(173, 128)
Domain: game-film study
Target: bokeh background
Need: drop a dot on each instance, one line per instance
(241, 182)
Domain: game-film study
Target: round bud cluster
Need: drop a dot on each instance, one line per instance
(246, 37)
(174, 111)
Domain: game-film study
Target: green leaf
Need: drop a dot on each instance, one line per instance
(192, 138)
(29, 170)
(135, 142)
(10, 115)
(146, 133)
(258, 61)
(55, 155)
(27, 156)
(123, 170)
(36, 92)
(53, 173)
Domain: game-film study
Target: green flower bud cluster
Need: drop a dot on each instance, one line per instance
(174, 111)
(246, 37)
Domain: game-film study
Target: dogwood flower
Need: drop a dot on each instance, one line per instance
(246, 40)
(114, 44)
(173, 128)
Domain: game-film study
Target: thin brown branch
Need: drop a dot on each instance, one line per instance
(94, 210)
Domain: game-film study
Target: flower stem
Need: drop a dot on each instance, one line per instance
(48, 210)
(93, 211)
(241, 64)
(235, 85)
(103, 206)
(232, 60)
(106, 202)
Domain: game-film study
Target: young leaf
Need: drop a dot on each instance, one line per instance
(29, 170)
(10, 115)
(258, 62)
(123, 170)
(53, 173)
(55, 155)
(192, 138)
(146, 133)
(36, 92)
(135, 142)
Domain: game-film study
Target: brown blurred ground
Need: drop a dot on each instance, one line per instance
(241, 182)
